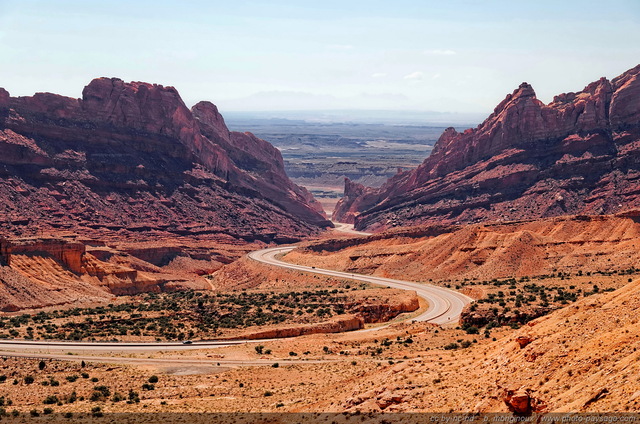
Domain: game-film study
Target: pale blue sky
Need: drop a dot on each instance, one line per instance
(455, 55)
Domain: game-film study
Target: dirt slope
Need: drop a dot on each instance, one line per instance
(581, 358)
(486, 251)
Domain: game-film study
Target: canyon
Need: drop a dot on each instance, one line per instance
(126, 193)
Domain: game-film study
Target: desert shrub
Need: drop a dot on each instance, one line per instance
(100, 393)
(103, 389)
(133, 397)
(72, 397)
(96, 397)
(50, 400)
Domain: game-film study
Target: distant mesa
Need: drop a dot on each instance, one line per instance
(577, 155)
(131, 159)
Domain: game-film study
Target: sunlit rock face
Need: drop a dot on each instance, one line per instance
(577, 155)
(132, 158)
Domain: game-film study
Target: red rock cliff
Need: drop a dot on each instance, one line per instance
(577, 155)
(132, 158)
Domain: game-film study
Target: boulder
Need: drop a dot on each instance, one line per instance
(523, 341)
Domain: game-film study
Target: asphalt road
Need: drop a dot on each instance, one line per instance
(444, 307)
(166, 362)
(72, 346)
(348, 228)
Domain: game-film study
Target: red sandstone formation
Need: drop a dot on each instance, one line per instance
(577, 155)
(335, 325)
(39, 272)
(353, 201)
(127, 190)
(131, 159)
(520, 402)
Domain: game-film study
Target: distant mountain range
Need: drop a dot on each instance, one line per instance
(240, 119)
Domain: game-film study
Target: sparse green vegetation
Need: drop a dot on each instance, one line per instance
(177, 316)
(50, 400)
(100, 393)
(514, 302)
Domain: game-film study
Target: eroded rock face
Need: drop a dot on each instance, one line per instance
(42, 271)
(382, 312)
(131, 158)
(67, 253)
(354, 199)
(335, 325)
(523, 341)
(577, 155)
(521, 402)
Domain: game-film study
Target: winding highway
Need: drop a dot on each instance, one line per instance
(444, 307)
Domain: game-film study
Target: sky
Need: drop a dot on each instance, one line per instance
(460, 56)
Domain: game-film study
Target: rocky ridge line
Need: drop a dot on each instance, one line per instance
(132, 158)
(577, 155)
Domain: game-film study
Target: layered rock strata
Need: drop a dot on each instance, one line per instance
(131, 158)
(578, 154)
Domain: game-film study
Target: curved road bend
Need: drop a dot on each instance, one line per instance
(444, 307)
(348, 228)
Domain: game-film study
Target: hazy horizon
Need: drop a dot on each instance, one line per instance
(461, 56)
